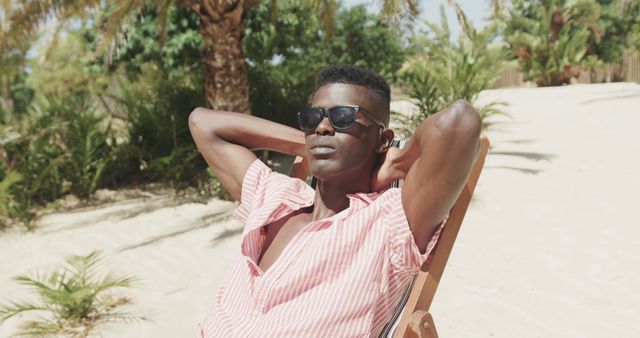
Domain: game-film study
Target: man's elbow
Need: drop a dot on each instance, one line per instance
(202, 120)
(463, 118)
(196, 118)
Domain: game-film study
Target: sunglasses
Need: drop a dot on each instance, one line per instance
(340, 117)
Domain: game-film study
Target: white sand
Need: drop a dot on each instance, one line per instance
(178, 250)
(551, 243)
(550, 246)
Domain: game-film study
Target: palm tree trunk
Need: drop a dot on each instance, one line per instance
(226, 85)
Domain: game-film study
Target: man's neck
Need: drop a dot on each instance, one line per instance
(331, 196)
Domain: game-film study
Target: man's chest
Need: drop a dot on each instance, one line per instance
(278, 236)
(284, 258)
(280, 241)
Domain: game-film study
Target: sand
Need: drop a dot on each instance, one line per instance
(178, 249)
(550, 246)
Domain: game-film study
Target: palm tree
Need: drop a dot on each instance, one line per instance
(443, 70)
(74, 300)
(551, 38)
(221, 26)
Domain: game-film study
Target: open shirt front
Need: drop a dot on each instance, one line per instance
(340, 276)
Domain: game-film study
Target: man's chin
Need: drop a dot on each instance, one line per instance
(324, 169)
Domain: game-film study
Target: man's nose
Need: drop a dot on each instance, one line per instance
(325, 127)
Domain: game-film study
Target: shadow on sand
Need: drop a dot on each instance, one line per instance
(123, 210)
(621, 95)
(524, 154)
(528, 155)
(204, 222)
(520, 141)
(522, 170)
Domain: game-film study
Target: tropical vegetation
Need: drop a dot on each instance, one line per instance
(74, 300)
(442, 69)
(102, 102)
(619, 29)
(550, 38)
(285, 53)
(221, 27)
(553, 40)
(82, 125)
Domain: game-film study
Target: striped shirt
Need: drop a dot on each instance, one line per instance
(340, 276)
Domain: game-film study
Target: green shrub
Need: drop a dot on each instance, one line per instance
(619, 30)
(60, 147)
(163, 85)
(85, 139)
(442, 71)
(77, 136)
(550, 38)
(286, 51)
(31, 152)
(157, 144)
(11, 207)
(74, 300)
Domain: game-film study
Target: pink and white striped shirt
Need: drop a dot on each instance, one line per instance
(341, 276)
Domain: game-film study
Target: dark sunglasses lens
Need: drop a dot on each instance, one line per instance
(342, 117)
(309, 119)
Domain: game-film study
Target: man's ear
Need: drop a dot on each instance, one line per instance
(386, 138)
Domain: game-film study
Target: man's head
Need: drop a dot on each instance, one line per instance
(377, 88)
(337, 146)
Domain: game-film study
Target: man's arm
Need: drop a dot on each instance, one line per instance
(226, 139)
(435, 165)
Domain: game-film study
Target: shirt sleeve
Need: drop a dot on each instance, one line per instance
(253, 189)
(405, 257)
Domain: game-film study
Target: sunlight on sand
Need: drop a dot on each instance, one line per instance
(549, 247)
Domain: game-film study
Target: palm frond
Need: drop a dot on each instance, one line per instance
(467, 27)
(391, 8)
(326, 10)
(550, 38)
(163, 19)
(73, 299)
(25, 18)
(14, 308)
(43, 327)
(443, 70)
(7, 198)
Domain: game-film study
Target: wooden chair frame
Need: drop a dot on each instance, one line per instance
(414, 319)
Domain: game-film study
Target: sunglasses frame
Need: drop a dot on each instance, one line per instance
(326, 113)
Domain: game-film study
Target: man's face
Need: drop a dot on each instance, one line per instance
(347, 152)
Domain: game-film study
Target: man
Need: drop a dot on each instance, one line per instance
(332, 262)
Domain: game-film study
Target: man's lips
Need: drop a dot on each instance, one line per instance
(322, 149)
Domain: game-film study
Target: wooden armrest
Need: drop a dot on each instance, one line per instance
(421, 323)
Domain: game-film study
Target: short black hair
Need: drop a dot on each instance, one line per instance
(349, 74)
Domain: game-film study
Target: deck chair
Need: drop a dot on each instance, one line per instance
(412, 318)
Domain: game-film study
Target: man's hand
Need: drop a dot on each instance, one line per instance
(388, 171)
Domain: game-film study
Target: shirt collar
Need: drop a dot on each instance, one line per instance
(361, 200)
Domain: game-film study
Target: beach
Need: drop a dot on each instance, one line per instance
(550, 246)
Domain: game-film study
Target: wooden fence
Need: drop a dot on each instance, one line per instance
(627, 71)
